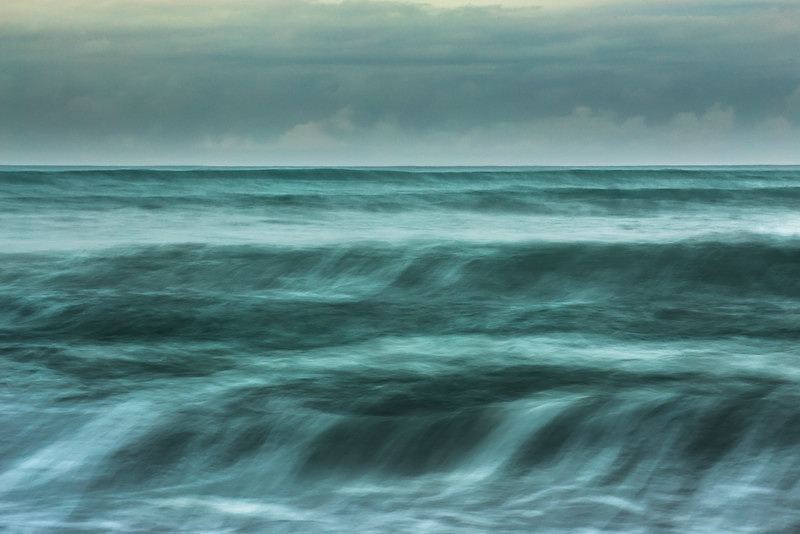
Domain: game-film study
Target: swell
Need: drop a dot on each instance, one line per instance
(445, 172)
(675, 427)
(667, 177)
(739, 265)
(518, 199)
(697, 431)
(616, 458)
(285, 297)
(604, 192)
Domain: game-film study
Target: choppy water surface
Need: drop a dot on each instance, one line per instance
(400, 350)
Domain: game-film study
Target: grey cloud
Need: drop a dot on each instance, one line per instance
(291, 83)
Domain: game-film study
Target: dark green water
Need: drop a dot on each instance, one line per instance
(400, 350)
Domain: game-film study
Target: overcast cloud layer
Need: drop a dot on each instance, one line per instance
(383, 82)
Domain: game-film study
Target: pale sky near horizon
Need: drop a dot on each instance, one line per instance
(399, 82)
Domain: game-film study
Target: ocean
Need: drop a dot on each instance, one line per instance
(400, 350)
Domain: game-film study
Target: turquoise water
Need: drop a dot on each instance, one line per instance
(400, 350)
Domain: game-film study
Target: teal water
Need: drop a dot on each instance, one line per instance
(400, 350)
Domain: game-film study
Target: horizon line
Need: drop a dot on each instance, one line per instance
(406, 166)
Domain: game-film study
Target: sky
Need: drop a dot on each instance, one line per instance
(399, 82)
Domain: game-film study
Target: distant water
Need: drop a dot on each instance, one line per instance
(400, 350)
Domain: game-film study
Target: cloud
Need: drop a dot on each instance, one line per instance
(582, 136)
(714, 122)
(319, 135)
(793, 101)
(269, 81)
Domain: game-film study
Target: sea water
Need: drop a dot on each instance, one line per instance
(400, 350)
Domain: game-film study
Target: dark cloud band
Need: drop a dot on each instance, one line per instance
(390, 82)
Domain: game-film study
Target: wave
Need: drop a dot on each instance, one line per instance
(553, 437)
(702, 177)
(627, 361)
(285, 296)
(524, 269)
(565, 192)
(537, 200)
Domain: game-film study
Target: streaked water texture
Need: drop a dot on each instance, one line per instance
(400, 350)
